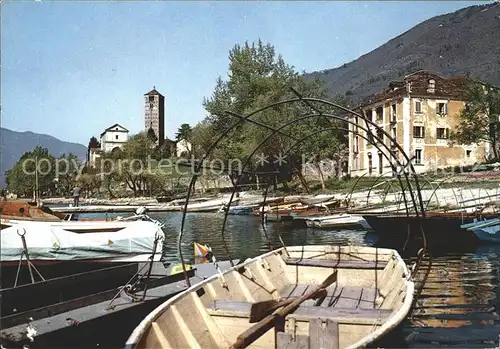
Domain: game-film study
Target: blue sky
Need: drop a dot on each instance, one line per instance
(71, 69)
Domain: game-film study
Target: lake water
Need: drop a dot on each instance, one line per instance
(457, 307)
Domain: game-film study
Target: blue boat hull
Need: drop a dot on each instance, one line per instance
(489, 234)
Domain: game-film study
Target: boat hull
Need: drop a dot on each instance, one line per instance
(441, 231)
(487, 235)
(85, 297)
(46, 244)
(216, 318)
(338, 221)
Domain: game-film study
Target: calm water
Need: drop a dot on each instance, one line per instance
(458, 305)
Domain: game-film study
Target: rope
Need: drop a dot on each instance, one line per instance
(129, 288)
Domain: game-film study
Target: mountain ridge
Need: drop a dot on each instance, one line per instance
(16, 143)
(457, 43)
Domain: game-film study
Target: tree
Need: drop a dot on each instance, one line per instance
(133, 162)
(259, 76)
(203, 135)
(68, 170)
(327, 150)
(90, 181)
(93, 143)
(184, 133)
(21, 179)
(152, 135)
(478, 121)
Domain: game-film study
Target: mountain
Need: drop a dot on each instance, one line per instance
(463, 42)
(15, 144)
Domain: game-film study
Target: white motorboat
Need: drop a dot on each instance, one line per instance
(338, 221)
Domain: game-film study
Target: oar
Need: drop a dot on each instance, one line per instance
(257, 330)
(260, 310)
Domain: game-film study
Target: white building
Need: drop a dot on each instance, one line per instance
(183, 147)
(113, 137)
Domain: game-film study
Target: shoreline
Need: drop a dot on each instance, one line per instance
(450, 198)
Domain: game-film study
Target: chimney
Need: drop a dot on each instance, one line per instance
(431, 87)
(408, 87)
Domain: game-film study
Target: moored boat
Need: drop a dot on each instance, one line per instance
(77, 224)
(13, 211)
(199, 205)
(368, 295)
(443, 229)
(338, 221)
(60, 312)
(48, 244)
(486, 230)
(240, 210)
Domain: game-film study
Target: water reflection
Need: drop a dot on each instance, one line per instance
(457, 308)
(244, 235)
(458, 305)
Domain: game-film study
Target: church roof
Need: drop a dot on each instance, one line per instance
(153, 92)
(122, 129)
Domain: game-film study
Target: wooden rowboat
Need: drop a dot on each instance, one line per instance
(369, 296)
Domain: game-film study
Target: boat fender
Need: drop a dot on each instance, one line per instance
(176, 269)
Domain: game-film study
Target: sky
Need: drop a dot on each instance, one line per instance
(72, 69)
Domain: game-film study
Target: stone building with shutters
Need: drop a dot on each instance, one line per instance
(419, 113)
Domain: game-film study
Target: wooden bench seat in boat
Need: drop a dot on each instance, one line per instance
(342, 302)
(334, 263)
(337, 296)
(304, 312)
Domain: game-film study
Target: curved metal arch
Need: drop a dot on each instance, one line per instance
(438, 186)
(335, 105)
(353, 132)
(407, 165)
(348, 199)
(427, 181)
(372, 123)
(390, 186)
(478, 198)
(434, 191)
(286, 124)
(357, 134)
(383, 175)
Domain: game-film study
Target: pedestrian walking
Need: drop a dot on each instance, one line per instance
(76, 196)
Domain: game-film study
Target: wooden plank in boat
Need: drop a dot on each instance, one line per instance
(327, 337)
(223, 307)
(349, 297)
(285, 341)
(294, 290)
(330, 263)
(303, 313)
(332, 295)
(368, 297)
(357, 315)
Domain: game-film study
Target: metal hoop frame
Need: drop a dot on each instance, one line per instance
(406, 165)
